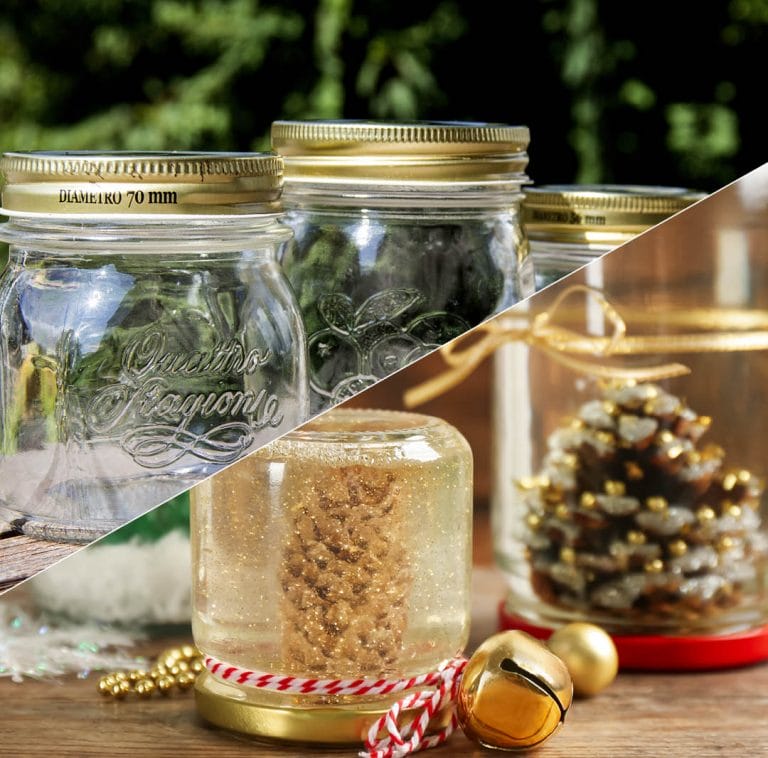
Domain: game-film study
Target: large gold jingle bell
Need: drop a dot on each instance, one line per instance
(514, 692)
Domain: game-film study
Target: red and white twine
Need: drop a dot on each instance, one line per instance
(395, 741)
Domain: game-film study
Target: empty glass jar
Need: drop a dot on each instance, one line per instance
(406, 235)
(342, 550)
(148, 336)
(570, 225)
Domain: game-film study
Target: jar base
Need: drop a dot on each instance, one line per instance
(656, 652)
(229, 706)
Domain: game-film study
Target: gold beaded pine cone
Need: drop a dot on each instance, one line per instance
(631, 516)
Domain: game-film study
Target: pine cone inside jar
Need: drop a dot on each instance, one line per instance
(632, 516)
(345, 572)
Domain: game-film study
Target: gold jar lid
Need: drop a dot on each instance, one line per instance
(116, 184)
(599, 213)
(418, 152)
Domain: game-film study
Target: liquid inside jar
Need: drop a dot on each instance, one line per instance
(342, 550)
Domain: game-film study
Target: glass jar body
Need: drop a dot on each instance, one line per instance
(383, 279)
(138, 358)
(553, 260)
(640, 508)
(340, 551)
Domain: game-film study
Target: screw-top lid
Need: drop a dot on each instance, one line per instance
(116, 184)
(419, 152)
(599, 212)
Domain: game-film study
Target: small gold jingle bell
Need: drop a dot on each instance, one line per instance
(514, 692)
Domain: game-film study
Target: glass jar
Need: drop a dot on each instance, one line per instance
(570, 225)
(629, 493)
(342, 550)
(406, 235)
(148, 335)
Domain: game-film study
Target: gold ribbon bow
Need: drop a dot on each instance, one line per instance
(566, 346)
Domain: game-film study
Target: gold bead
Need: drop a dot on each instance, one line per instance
(589, 654)
(744, 476)
(705, 421)
(136, 676)
(634, 472)
(731, 509)
(117, 691)
(190, 651)
(567, 555)
(655, 566)
(605, 438)
(610, 407)
(145, 688)
(705, 514)
(725, 543)
(514, 692)
(533, 520)
(156, 672)
(678, 548)
(120, 676)
(730, 481)
(656, 504)
(196, 666)
(185, 680)
(165, 684)
(587, 500)
(562, 511)
(616, 488)
(666, 437)
(635, 538)
(105, 685)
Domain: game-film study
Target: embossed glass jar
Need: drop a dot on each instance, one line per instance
(342, 550)
(570, 225)
(406, 235)
(148, 336)
(628, 492)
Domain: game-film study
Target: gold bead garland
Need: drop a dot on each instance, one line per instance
(175, 668)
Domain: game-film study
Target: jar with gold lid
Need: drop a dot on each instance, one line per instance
(147, 335)
(406, 235)
(341, 551)
(570, 225)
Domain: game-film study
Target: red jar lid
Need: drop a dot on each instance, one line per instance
(670, 653)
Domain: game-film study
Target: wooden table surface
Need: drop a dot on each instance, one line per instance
(22, 557)
(654, 715)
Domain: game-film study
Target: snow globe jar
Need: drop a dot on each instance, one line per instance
(406, 235)
(629, 482)
(148, 336)
(570, 225)
(340, 552)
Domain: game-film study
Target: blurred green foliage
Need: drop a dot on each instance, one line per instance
(612, 91)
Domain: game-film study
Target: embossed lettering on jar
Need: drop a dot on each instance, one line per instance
(407, 235)
(148, 336)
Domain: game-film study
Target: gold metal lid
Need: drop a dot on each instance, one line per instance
(359, 151)
(599, 212)
(116, 184)
(279, 718)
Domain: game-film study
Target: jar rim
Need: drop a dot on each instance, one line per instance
(364, 424)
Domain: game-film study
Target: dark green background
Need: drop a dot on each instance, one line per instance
(612, 91)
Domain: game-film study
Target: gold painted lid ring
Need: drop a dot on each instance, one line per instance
(421, 153)
(87, 184)
(585, 213)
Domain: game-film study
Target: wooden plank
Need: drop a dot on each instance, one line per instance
(22, 557)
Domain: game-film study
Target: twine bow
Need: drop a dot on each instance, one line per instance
(566, 346)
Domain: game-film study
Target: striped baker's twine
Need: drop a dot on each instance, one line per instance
(395, 742)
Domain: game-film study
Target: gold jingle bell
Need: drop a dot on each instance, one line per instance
(514, 692)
